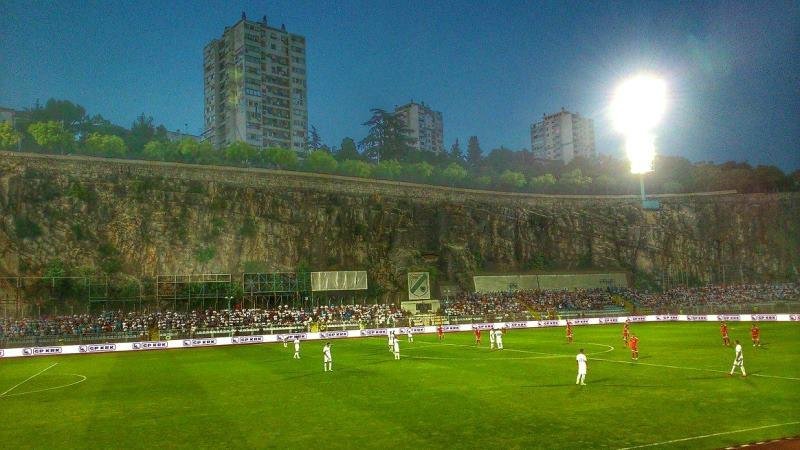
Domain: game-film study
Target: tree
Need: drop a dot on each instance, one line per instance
(574, 180)
(321, 161)
(420, 171)
(51, 135)
(160, 151)
(9, 137)
(512, 179)
(98, 124)
(455, 152)
(474, 153)
(542, 182)
(387, 137)
(355, 168)
(240, 152)
(281, 158)
(314, 142)
(388, 169)
(348, 150)
(70, 115)
(454, 173)
(142, 132)
(105, 145)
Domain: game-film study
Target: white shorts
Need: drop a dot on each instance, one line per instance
(327, 359)
(581, 371)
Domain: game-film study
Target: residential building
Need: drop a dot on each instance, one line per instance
(255, 87)
(563, 136)
(7, 114)
(424, 125)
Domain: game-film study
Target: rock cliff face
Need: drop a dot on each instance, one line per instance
(145, 219)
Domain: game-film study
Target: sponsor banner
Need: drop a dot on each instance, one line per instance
(1, 352)
(333, 334)
(516, 325)
(667, 318)
(697, 318)
(547, 323)
(150, 345)
(97, 348)
(247, 339)
(451, 327)
(604, 320)
(579, 321)
(794, 317)
(374, 332)
(764, 317)
(482, 326)
(728, 317)
(290, 337)
(636, 319)
(199, 342)
(36, 351)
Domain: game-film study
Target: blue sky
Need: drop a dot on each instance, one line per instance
(492, 68)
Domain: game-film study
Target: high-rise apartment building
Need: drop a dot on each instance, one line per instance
(255, 87)
(563, 136)
(424, 125)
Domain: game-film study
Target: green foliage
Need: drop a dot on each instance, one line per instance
(143, 130)
(474, 152)
(355, 168)
(55, 268)
(420, 171)
(543, 182)
(51, 135)
(80, 192)
(9, 137)
(78, 232)
(483, 181)
(454, 173)
(538, 262)
(248, 228)
(281, 158)
(25, 228)
(512, 179)
(347, 150)
(197, 152)
(455, 152)
(255, 267)
(161, 151)
(389, 170)
(387, 138)
(240, 152)
(321, 161)
(204, 254)
(105, 145)
(574, 180)
(71, 115)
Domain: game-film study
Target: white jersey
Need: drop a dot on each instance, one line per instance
(581, 358)
(498, 336)
(326, 354)
(390, 337)
(396, 346)
(491, 335)
(409, 333)
(296, 344)
(739, 358)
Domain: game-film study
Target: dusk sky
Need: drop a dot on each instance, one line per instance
(491, 68)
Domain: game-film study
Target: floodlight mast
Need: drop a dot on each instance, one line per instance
(636, 108)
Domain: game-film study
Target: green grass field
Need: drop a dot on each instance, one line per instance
(440, 395)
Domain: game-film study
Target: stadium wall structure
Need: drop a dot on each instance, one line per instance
(329, 335)
(142, 218)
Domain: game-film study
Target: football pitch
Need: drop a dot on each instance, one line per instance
(448, 394)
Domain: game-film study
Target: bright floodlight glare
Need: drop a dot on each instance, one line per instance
(638, 104)
(641, 150)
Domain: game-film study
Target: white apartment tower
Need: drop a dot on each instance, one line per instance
(255, 87)
(424, 125)
(563, 136)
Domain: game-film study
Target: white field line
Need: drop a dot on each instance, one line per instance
(27, 379)
(691, 368)
(710, 435)
(83, 378)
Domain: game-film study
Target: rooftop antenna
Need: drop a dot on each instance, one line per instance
(264, 20)
(244, 16)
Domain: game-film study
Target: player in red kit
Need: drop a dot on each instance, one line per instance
(440, 332)
(633, 343)
(755, 334)
(569, 332)
(723, 329)
(477, 336)
(626, 332)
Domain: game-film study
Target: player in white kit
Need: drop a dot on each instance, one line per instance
(498, 339)
(491, 339)
(581, 359)
(327, 359)
(390, 339)
(410, 336)
(396, 348)
(296, 348)
(738, 360)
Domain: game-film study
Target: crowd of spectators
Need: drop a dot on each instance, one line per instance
(740, 294)
(200, 320)
(500, 304)
(497, 305)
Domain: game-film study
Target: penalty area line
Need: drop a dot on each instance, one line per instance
(710, 435)
(28, 379)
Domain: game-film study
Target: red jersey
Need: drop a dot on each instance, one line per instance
(634, 343)
(478, 333)
(569, 330)
(724, 330)
(440, 330)
(625, 330)
(754, 332)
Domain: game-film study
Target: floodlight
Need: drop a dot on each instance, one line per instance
(641, 150)
(638, 104)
